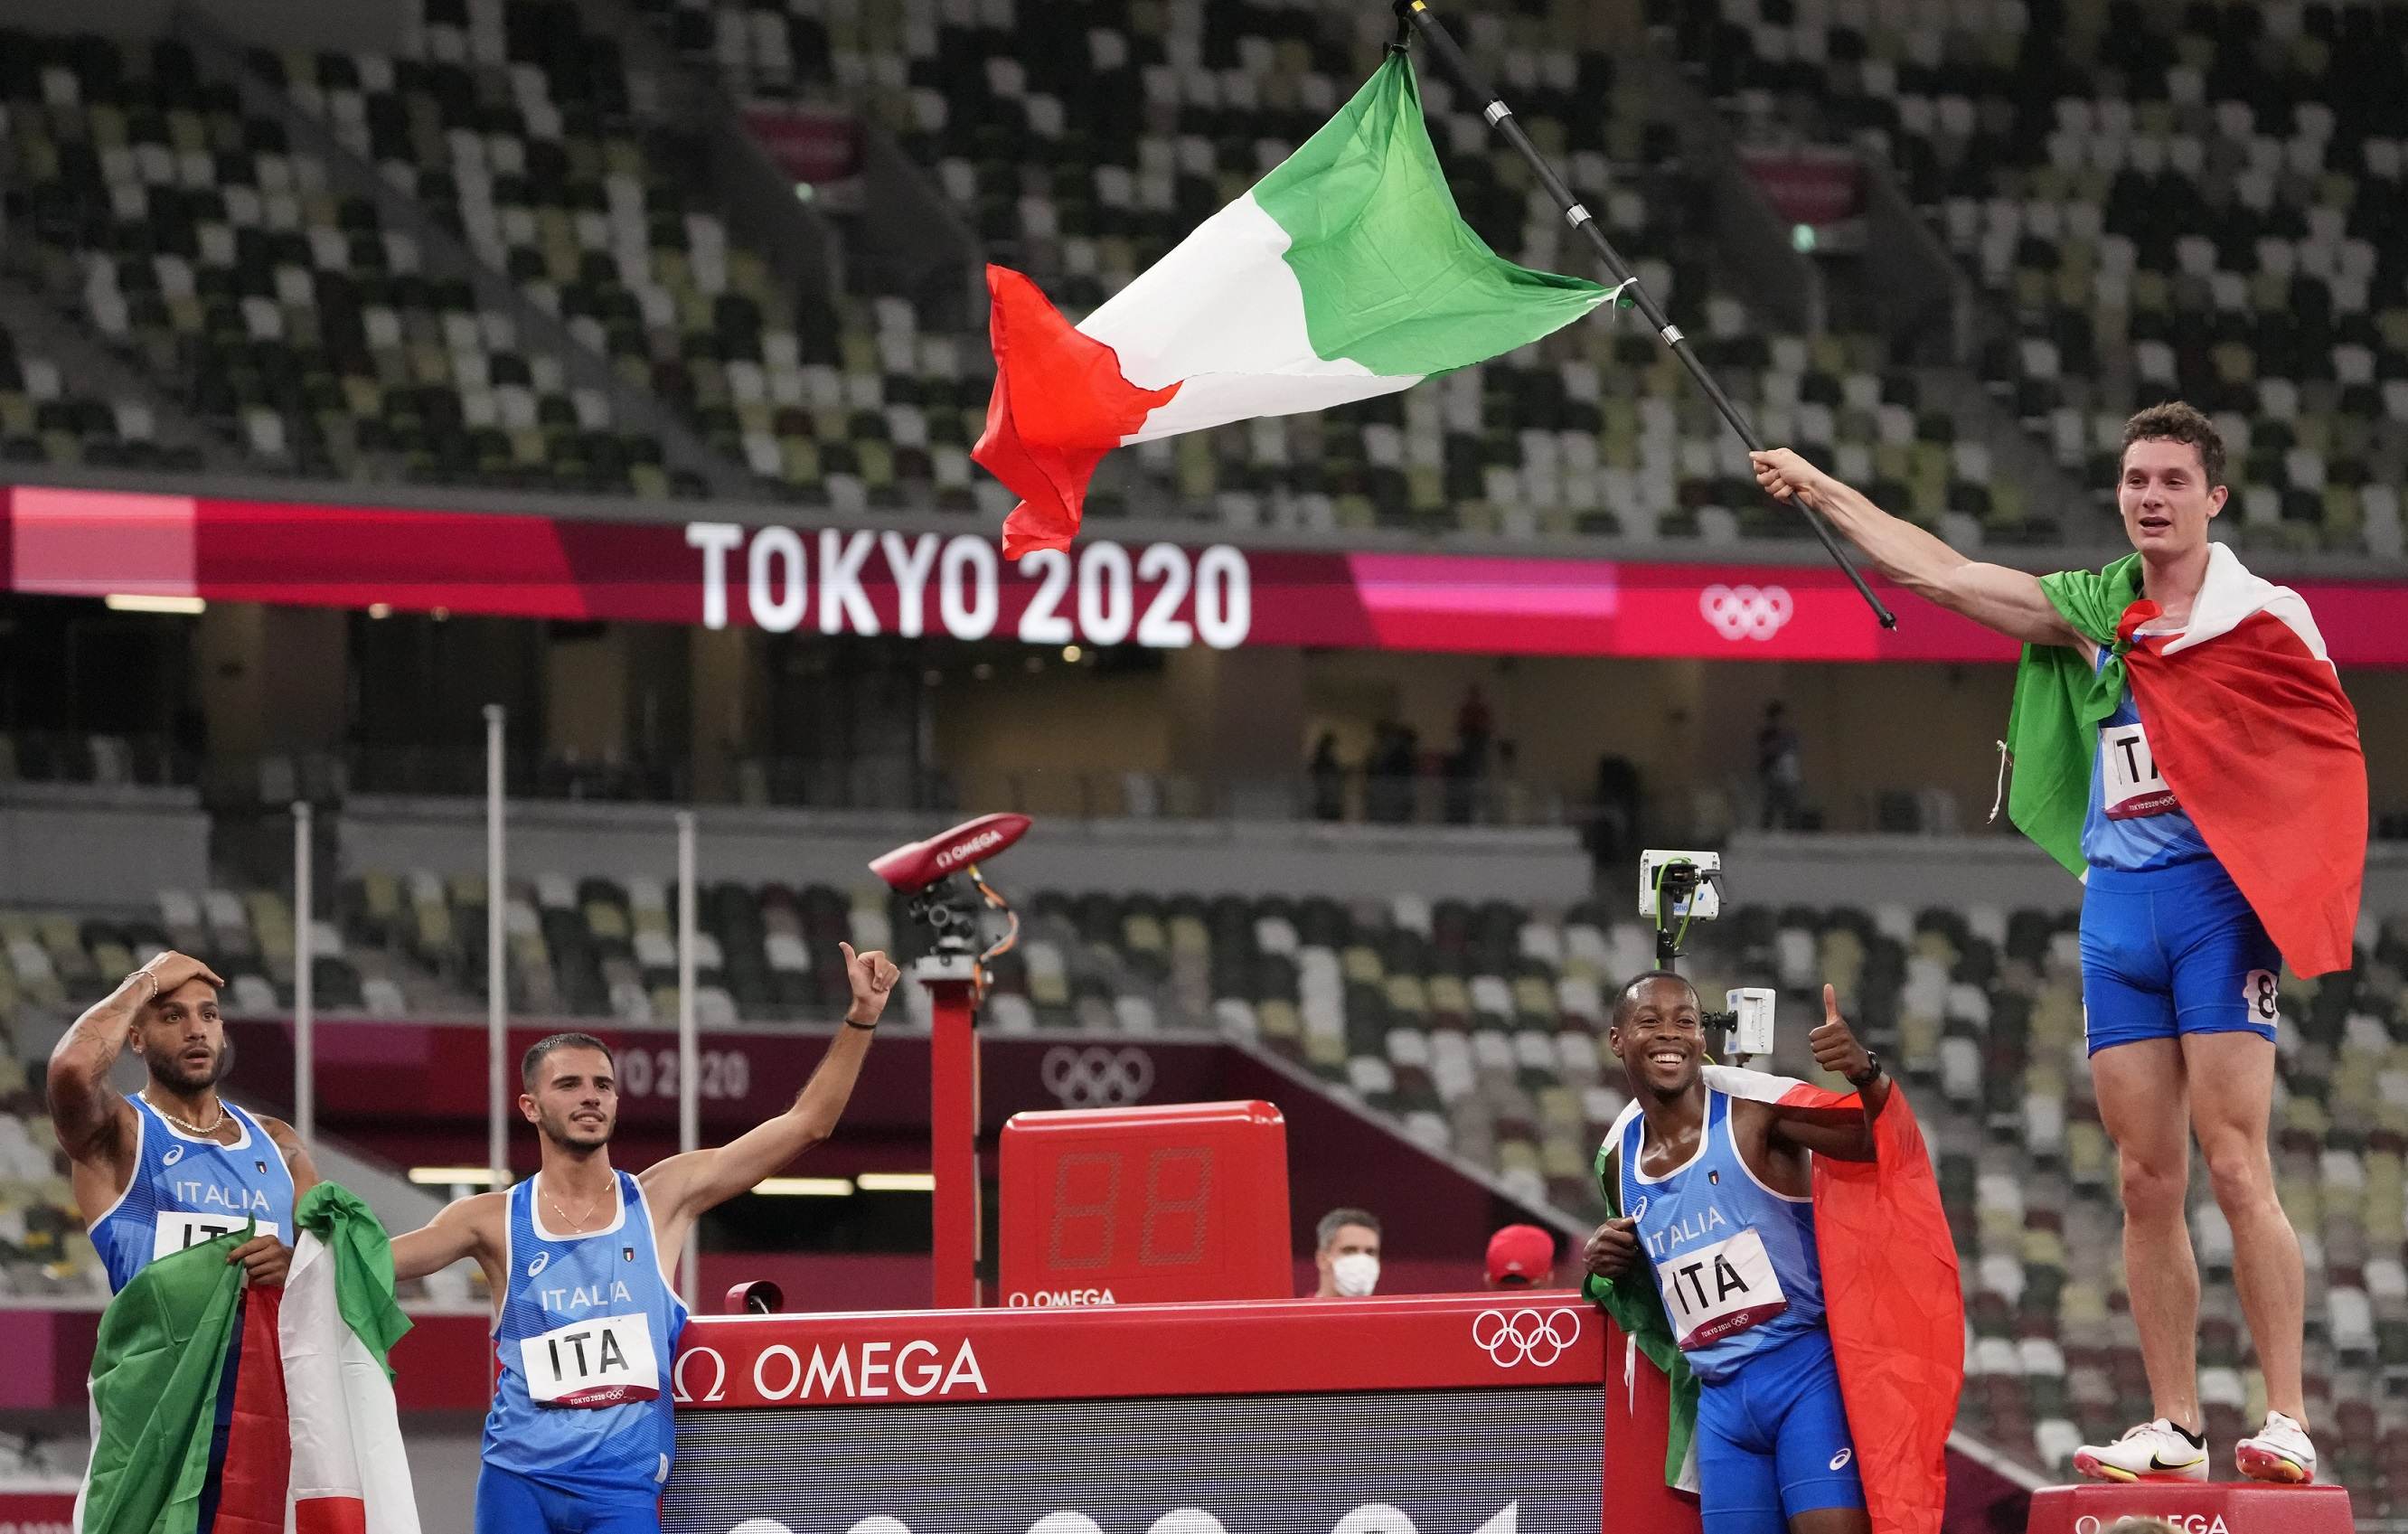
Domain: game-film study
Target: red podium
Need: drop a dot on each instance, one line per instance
(2231, 1507)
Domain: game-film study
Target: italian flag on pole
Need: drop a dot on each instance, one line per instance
(312, 1444)
(1345, 273)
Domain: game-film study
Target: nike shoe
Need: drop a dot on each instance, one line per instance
(2153, 1451)
(2279, 1451)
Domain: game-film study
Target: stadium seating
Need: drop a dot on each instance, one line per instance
(293, 319)
(283, 312)
(2203, 201)
(44, 419)
(1153, 117)
(514, 130)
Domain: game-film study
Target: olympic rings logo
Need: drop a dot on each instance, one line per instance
(1524, 1337)
(1096, 1076)
(1746, 612)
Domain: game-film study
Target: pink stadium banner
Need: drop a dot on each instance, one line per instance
(869, 581)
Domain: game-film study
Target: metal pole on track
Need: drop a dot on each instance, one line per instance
(688, 1044)
(1417, 16)
(305, 1000)
(497, 990)
(951, 982)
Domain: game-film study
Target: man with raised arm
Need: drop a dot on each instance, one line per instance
(175, 1165)
(2181, 741)
(579, 1258)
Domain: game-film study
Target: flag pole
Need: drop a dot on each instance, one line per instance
(1415, 16)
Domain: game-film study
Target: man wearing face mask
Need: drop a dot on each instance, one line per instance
(1348, 1257)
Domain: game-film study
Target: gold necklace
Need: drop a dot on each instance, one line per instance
(576, 1226)
(183, 1123)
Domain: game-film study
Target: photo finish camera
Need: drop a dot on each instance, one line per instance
(940, 876)
(1683, 886)
(1677, 888)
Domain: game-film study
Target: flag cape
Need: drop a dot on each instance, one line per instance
(1891, 1299)
(313, 1445)
(2247, 723)
(1343, 274)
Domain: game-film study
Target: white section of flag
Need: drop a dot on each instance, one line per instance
(1223, 316)
(350, 1469)
(2231, 596)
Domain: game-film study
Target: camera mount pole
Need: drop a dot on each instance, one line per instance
(953, 972)
(1416, 16)
(951, 982)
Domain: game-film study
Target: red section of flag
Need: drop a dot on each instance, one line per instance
(258, 1464)
(344, 1514)
(1895, 1309)
(2258, 742)
(1059, 405)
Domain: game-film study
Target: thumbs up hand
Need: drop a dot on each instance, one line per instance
(1834, 1044)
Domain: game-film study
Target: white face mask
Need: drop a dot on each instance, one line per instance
(1355, 1274)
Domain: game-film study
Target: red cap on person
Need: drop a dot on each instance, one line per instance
(1520, 1255)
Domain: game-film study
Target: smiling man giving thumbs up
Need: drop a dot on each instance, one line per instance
(1788, 1231)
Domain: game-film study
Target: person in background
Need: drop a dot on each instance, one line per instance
(1521, 1258)
(1475, 725)
(1328, 777)
(1778, 770)
(1347, 1255)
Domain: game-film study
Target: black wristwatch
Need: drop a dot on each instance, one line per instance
(1872, 1072)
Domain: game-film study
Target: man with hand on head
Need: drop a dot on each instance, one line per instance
(579, 1256)
(175, 1165)
(1745, 1274)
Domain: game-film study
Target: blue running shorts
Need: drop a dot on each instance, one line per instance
(514, 1504)
(1773, 1440)
(2174, 950)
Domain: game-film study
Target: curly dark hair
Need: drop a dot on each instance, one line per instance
(2177, 421)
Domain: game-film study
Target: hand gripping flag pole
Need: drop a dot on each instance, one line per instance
(1415, 15)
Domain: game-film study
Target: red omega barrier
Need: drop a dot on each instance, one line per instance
(1426, 1414)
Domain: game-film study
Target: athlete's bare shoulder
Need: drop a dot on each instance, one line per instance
(484, 1218)
(1774, 1161)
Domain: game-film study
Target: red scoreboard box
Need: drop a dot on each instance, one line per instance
(1118, 1206)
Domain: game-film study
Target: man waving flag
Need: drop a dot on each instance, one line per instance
(1345, 273)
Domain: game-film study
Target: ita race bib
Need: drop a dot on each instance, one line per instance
(173, 1232)
(606, 1361)
(2132, 787)
(1712, 1292)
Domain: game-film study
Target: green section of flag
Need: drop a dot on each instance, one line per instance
(363, 1257)
(2061, 700)
(1393, 278)
(155, 1372)
(1638, 1309)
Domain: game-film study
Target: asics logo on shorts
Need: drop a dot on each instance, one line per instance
(1746, 612)
(1532, 1336)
